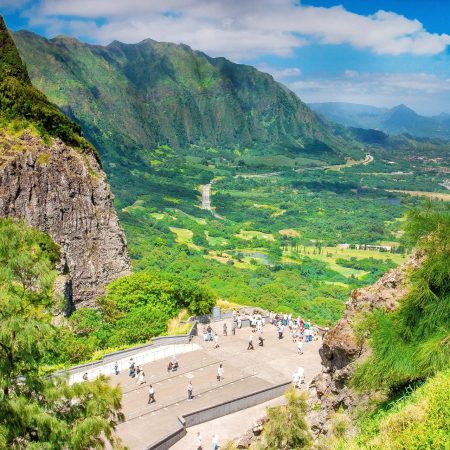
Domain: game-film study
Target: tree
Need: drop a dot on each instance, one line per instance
(287, 428)
(37, 412)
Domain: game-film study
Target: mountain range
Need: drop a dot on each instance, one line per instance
(397, 120)
(133, 100)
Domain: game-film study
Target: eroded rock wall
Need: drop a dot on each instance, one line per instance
(342, 351)
(65, 193)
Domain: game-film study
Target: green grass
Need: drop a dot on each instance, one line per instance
(183, 234)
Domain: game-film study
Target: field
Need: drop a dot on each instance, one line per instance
(432, 195)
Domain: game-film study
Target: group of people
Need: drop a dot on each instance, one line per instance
(298, 328)
(135, 371)
(256, 321)
(199, 441)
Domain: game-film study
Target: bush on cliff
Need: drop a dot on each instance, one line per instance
(413, 342)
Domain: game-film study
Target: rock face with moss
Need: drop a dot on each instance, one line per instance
(65, 194)
(52, 178)
(343, 348)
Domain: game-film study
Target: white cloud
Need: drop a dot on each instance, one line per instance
(241, 28)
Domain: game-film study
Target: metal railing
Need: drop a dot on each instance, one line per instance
(176, 399)
(107, 367)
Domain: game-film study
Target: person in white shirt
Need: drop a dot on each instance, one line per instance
(295, 379)
(151, 395)
(198, 441)
(250, 343)
(216, 341)
(220, 372)
(215, 441)
(141, 379)
(301, 374)
(300, 347)
(190, 389)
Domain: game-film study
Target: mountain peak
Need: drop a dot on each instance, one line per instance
(11, 64)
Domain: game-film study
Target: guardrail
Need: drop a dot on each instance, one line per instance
(97, 367)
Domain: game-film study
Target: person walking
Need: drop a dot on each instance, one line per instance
(259, 324)
(261, 340)
(190, 389)
(209, 331)
(215, 441)
(116, 368)
(220, 372)
(216, 341)
(225, 329)
(131, 367)
(250, 343)
(151, 395)
(280, 331)
(300, 347)
(198, 441)
(141, 379)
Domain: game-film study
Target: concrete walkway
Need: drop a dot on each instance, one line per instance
(246, 371)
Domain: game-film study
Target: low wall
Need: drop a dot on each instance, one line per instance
(167, 441)
(219, 410)
(128, 352)
(237, 404)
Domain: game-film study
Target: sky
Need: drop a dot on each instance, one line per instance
(380, 53)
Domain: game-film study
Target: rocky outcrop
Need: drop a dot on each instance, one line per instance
(64, 193)
(342, 350)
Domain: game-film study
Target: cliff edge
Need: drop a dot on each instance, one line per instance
(342, 350)
(65, 194)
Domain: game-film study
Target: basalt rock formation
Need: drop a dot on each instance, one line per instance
(51, 177)
(342, 351)
(64, 193)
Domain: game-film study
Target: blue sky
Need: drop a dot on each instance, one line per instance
(381, 53)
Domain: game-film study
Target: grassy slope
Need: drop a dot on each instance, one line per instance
(21, 102)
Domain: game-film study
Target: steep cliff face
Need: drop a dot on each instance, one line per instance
(64, 193)
(342, 350)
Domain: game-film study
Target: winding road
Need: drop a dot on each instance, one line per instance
(206, 203)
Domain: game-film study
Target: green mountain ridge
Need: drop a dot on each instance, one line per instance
(132, 99)
(21, 102)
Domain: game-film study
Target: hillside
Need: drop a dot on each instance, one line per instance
(132, 100)
(397, 120)
(51, 177)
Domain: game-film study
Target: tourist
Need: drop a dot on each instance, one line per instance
(225, 329)
(151, 395)
(285, 318)
(239, 321)
(300, 347)
(234, 314)
(131, 366)
(138, 371)
(215, 441)
(85, 376)
(205, 335)
(250, 343)
(216, 341)
(220, 372)
(301, 374)
(141, 379)
(295, 379)
(271, 317)
(294, 335)
(325, 332)
(190, 389)
(261, 340)
(198, 441)
(280, 331)
(209, 331)
(260, 324)
(116, 368)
